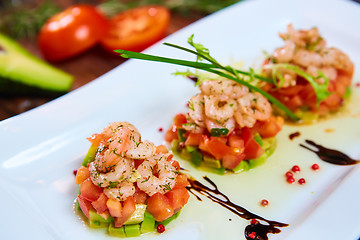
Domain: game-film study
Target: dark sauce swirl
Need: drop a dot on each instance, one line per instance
(330, 155)
(259, 229)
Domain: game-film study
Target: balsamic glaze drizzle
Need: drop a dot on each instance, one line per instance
(260, 229)
(294, 135)
(330, 155)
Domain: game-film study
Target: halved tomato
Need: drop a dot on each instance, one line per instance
(137, 29)
(71, 32)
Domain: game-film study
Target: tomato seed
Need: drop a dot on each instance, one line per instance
(315, 167)
(160, 228)
(301, 181)
(290, 180)
(264, 203)
(295, 168)
(289, 174)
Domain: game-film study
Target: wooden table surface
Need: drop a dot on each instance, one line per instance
(85, 68)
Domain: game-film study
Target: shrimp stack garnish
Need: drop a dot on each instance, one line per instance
(114, 164)
(127, 171)
(225, 104)
(308, 51)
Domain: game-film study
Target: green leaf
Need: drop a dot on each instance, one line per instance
(218, 132)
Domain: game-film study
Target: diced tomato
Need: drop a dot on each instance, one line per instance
(193, 139)
(236, 141)
(140, 197)
(115, 207)
(105, 215)
(230, 161)
(252, 148)
(181, 181)
(85, 205)
(171, 134)
(127, 210)
(217, 147)
(270, 127)
(179, 120)
(203, 143)
(173, 162)
(89, 191)
(178, 198)
(160, 207)
(161, 149)
(82, 174)
(100, 204)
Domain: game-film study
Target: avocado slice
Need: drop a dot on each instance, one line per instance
(137, 216)
(22, 73)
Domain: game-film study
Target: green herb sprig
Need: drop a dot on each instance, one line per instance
(213, 66)
(321, 90)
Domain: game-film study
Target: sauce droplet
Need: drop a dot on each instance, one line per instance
(330, 155)
(261, 228)
(294, 135)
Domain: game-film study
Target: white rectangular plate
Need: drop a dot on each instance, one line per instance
(41, 148)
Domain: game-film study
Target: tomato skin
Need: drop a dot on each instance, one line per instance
(127, 210)
(137, 28)
(160, 207)
(71, 32)
(85, 205)
(252, 148)
(181, 181)
(89, 191)
(82, 174)
(100, 204)
(178, 198)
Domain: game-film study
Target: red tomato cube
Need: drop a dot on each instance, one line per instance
(160, 207)
(178, 198)
(100, 204)
(85, 205)
(89, 191)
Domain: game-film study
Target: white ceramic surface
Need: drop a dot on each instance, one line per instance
(41, 148)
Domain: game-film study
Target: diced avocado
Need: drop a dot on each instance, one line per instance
(23, 73)
(219, 171)
(196, 158)
(175, 146)
(97, 221)
(132, 230)
(148, 225)
(258, 139)
(190, 149)
(181, 133)
(116, 232)
(211, 162)
(90, 156)
(185, 154)
(138, 215)
(241, 167)
(271, 145)
(167, 221)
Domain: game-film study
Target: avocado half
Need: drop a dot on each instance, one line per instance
(22, 73)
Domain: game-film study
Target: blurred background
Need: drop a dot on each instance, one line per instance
(78, 58)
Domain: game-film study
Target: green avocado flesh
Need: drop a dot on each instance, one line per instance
(21, 73)
(140, 222)
(210, 164)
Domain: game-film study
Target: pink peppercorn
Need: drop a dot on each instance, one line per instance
(160, 228)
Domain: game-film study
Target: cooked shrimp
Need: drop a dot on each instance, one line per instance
(286, 53)
(122, 170)
(219, 108)
(196, 109)
(329, 72)
(140, 150)
(166, 179)
(337, 59)
(118, 137)
(121, 192)
(252, 107)
(223, 87)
